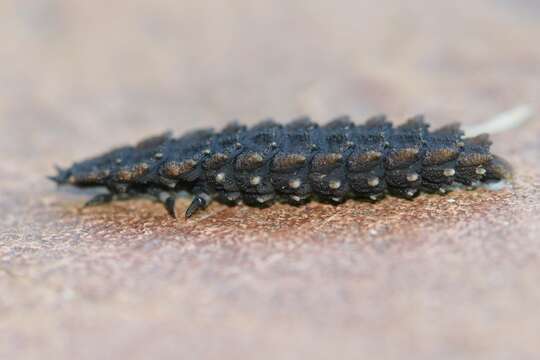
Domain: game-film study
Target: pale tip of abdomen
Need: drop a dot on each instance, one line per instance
(498, 169)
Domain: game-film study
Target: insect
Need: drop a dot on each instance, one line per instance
(293, 162)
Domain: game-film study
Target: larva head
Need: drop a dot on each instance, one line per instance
(95, 171)
(61, 176)
(82, 174)
(123, 165)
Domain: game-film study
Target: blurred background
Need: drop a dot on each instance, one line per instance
(78, 77)
(111, 71)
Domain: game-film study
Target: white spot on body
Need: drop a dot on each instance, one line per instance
(449, 172)
(255, 180)
(295, 183)
(296, 198)
(374, 181)
(480, 170)
(220, 177)
(412, 177)
(334, 184)
(411, 192)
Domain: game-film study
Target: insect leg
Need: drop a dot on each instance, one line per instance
(165, 197)
(170, 205)
(100, 199)
(200, 201)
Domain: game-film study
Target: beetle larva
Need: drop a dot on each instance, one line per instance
(293, 162)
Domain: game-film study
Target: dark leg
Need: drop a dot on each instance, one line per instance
(200, 201)
(100, 199)
(170, 205)
(166, 198)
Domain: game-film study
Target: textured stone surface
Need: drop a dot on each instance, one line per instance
(440, 277)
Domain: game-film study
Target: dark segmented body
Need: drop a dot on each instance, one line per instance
(294, 162)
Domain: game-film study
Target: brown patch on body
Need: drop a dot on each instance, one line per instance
(249, 161)
(216, 161)
(326, 161)
(402, 157)
(176, 169)
(132, 173)
(360, 161)
(440, 156)
(284, 162)
(473, 159)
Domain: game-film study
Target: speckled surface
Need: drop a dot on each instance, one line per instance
(441, 277)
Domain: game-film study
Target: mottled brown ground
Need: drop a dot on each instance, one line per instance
(453, 277)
